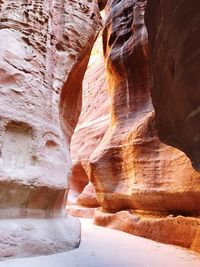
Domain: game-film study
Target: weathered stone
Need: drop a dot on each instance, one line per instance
(130, 168)
(30, 237)
(44, 51)
(39, 55)
(171, 229)
(174, 29)
(91, 127)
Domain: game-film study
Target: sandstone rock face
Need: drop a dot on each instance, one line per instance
(131, 168)
(173, 29)
(30, 237)
(128, 165)
(92, 124)
(177, 230)
(88, 197)
(126, 65)
(39, 53)
(43, 57)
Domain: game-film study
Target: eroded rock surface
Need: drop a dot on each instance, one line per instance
(30, 237)
(107, 247)
(91, 127)
(44, 51)
(130, 168)
(40, 51)
(177, 230)
(173, 28)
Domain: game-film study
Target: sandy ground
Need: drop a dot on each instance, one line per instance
(101, 247)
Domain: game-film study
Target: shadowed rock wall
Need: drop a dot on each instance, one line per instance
(173, 28)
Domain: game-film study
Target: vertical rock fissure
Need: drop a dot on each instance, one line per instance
(92, 125)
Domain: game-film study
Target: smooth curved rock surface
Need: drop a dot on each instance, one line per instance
(90, 129)
(88, 197)
(128, 165)
(130, 102)
(173, 28)
(131, 168)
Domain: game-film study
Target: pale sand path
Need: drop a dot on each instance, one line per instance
(102, 247)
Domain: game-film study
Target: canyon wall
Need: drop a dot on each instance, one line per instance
(131, 168)
(92, 125)
(45, 47)
(173, 29)
(143, 186)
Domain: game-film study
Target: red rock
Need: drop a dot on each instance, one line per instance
(80, 211)
(102, 4)
(178, 230)
(88, 197)
(173, 29)
(117, 155)
(91, 127)
(129, 167)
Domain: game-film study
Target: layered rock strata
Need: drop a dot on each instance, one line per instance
(44, 54)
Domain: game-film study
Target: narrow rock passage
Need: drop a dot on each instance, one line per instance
(102, 247)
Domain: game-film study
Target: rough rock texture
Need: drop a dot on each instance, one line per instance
(177, 230)
(31, 237)
(40, 51)
(92, 124)
(173, 28)
(112, 164)
(106, 247)
(130, 168)
(45, 47)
